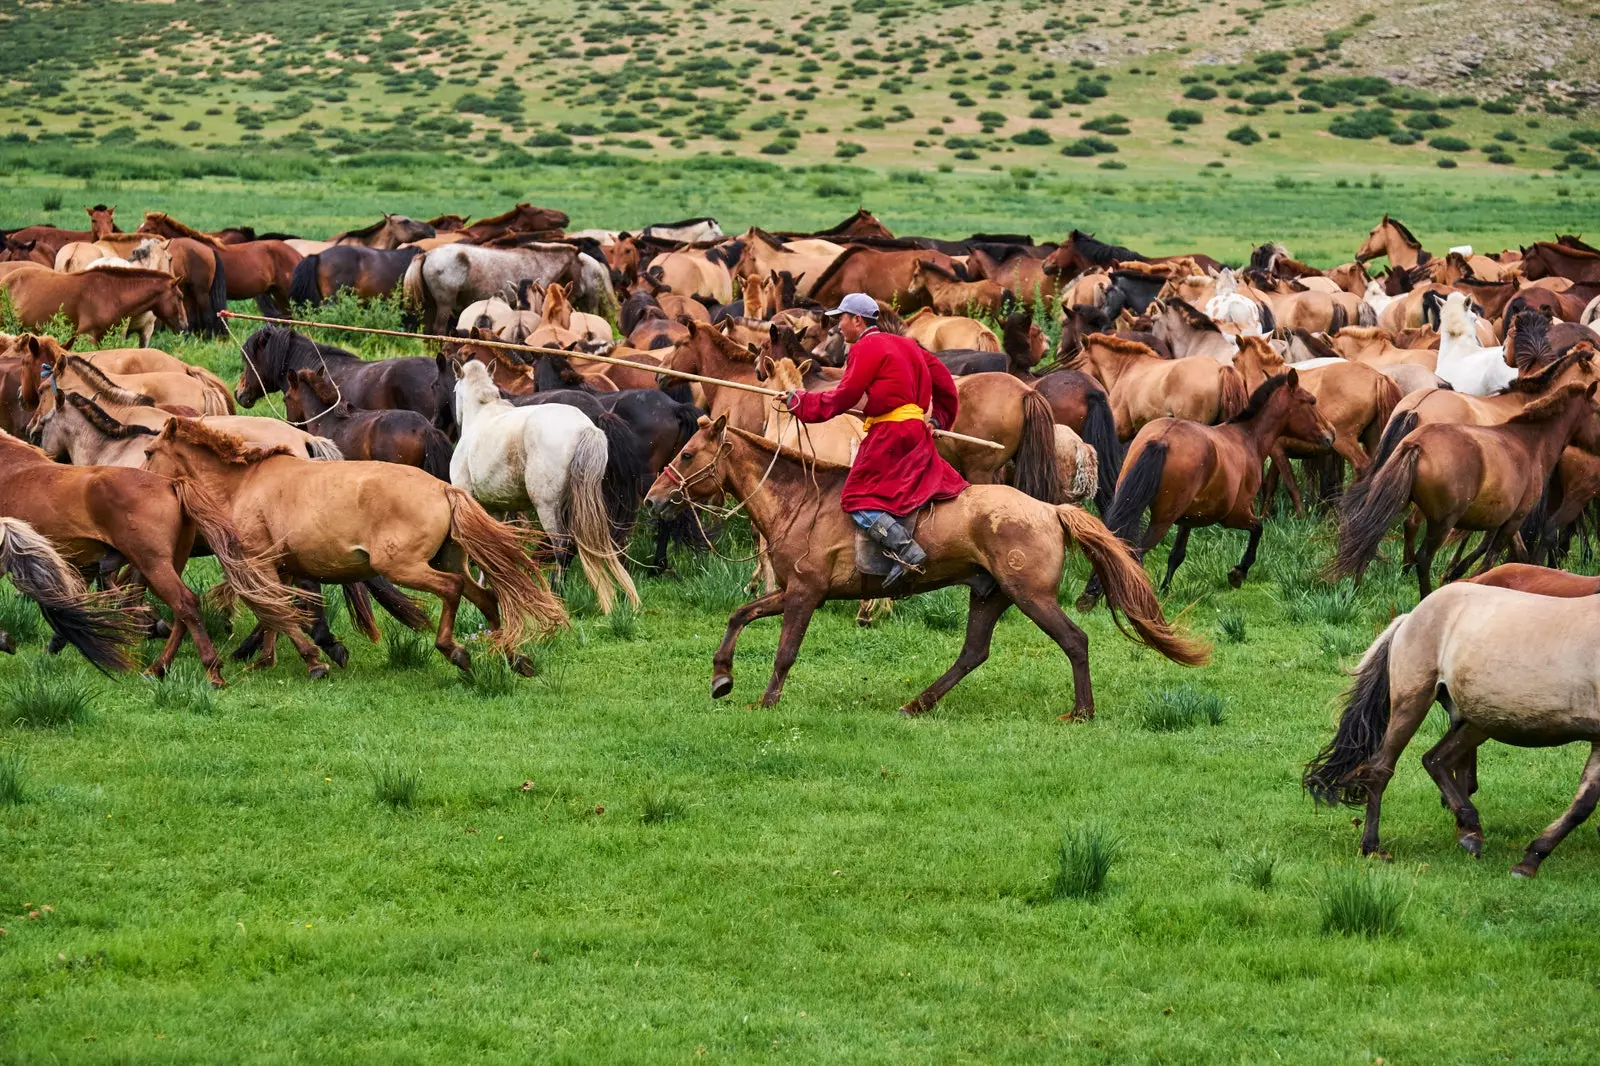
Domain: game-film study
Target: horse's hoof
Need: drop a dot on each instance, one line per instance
(263, 664)
(217, 682)
(318, 672)
(460, 658)
(340, 655)
(161, 629)
(155, 672)
(1236, 577)
(1524, 871)
(1379, 854)
(1472, 843)
(1086, 603)
(770, 701)
(721, 685)
(913, 709)
(523, 666)
(1076, 716)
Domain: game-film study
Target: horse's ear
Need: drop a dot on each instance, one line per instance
(1589, 392)
(805, 366)
(1294, 379)
(460, 370)
(752, 349)
(70, 341)
(720, 426)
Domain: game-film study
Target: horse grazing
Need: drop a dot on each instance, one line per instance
(409, 383)
(444, 281)
(1188, 474)
(793, 502)
(101, 630)
(94, 301)
(939, 332)
(549, 458)
(100, 514)
(940, 288)
(1506, 665)
(395, 436)
(1142, 386)
(388, 233)
(1462, 477)
(370, 272)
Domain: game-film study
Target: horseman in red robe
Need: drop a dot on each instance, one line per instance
(897, 469)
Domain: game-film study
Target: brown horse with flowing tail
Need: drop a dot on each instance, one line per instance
(102, 631)
(1022, 542)
(1462, 477)
(1142, 386)
(1506, 666)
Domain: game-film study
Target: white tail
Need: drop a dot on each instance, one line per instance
(590, 526)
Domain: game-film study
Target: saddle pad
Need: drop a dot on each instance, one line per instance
(870, 558)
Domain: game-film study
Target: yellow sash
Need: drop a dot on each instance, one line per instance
(906, 412)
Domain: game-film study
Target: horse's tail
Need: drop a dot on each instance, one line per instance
(436, 453)
(1334, 776)
(303, 287)
(1127, 587)
(588, 523)
(1100, 433)
(1387, 399)
(1339, 320)
(215, 401)
(217, 298)
(1232, 396)
(1035, 467)
(101, 630)
(213, 384)
(412, 289)
(526, 602)
(250, 577)
(358, 604)
(323, 450)
(1078, 465)
(1394, 431)
(1269, 321)
(627, 477)
(1370, 507)
(1136, 492)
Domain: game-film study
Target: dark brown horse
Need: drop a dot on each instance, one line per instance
(524, 218)
(261, 270)
(886, 276)
(394, 436)
(1547, 260)
(389, 232)
(989, 529)
(371, 273)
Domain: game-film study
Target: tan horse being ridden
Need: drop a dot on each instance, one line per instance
(1022, 542)
(1141, 386)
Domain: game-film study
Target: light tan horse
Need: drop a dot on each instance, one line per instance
(41, 351)
(938, 287)
(689, 273)
(1376, 348)
(766, 255)
(940, 333)
(1392, 240)
(94, 302)
(1510, 666)
(75, 374)
(1141, 386)
(411, 528)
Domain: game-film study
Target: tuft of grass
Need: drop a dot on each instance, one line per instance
(19, 616)
(943, 609)
(406, 648)
(1257, 870)
(624, 621)
(491, 676)
(51, 201)
(12, 792)
(396, 785)
(1359, 902)
(1170, 710)
(1232, 624)
(185, 688)
(44, 697)
(1083, 862)
(661, 807)
(1333, 605)
(1342, 643)
(718, 584)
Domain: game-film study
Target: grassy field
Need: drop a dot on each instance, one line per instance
(602, 864)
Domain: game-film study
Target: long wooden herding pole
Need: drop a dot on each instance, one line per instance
(507, 345)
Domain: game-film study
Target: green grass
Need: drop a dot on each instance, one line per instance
(13, 791)
(1182, 707)
(46, 695)
(1359, 902)
(1084, 862)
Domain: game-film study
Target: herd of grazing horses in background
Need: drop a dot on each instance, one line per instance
(1449, 395)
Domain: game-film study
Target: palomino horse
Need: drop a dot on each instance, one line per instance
(690, 273)
(95, 301)
(1390, 238)
(42, 351)
(129, 390)
(1462, 477)
(549, 458)
(1142, 386)
(412, 383)
(937, 332)
(369, 272)
(1506, 665)
(103, 632)
(388, 233)
(1192, 475)
(765, 254)
(410, 528)
(99, 514)
(254, 269)
(394, 436)
(939, 287)
(1023, 543)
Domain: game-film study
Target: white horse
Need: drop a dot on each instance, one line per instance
(1231, 307)
(1373, 302)
(549, 457)
(1463, 362)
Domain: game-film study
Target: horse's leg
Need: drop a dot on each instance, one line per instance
(1493, 551)
(1409, 534)
(1281, 461)
(1043, 611)
(322, 634)
(1582, 806)
(1407, 711)
(1237, 575)
(252, 644)
(797, 611)
(1180, 549)
(1432, 537)
(722, 661)
(982, 615)
(1441, 761)
(1456, 562)
(168, 586)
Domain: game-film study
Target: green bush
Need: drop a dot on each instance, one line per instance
(1363, 125)
(1032, 135)
(1199, 92)
(1427, 120)
(1184, 116)
(1244, 135)
(1448, 143)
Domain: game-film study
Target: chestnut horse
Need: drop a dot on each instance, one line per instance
(885, 275)
(1390, 239)
(1142, 386)
(261, 269)
(100, 514)
(793, 502)
(1539, 580)
(94, 301)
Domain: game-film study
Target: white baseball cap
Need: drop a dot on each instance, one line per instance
(857, 303)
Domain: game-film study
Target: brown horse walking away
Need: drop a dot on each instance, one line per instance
(1188, 474)
(794, 503)
(1462, 477)
(100, 514)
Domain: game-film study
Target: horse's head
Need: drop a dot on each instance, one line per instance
(265, 353)
(169, 306)
(1305, 422)
(474, 389)
(1376, 244)
(101, 223)
(1062, 261)
(403, 230)
(694, 476)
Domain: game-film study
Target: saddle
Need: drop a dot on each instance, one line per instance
(870, 558)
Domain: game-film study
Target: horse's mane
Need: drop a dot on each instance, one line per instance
(1089, 315)
(834, 267)
(319, 384)
(103, 423)
(188, 231)
(939, 269)
(729, 347)
(1530, 344)
(1193, 317)
(769, 239)
(1316, 344)
(277, 343)
(1099, 252)
(133, 272)
(1405, 233)
(794, 455)
(889, 321)
(225, 446)
(784, 374)
(103, 386)
(1119, 345)
(1568, 251)
(1262, 255)
(1258, 399)
(666, 225)
(861, 215)
(364, 231)
(1547, 407)
(1367, 333)
(1568, 240)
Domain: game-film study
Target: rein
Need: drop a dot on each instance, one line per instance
(266, 393)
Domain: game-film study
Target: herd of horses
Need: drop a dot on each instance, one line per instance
(1450, 395)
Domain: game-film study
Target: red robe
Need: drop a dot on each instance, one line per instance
(897, 468)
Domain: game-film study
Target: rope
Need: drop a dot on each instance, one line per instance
(266, 393)
(609, 360)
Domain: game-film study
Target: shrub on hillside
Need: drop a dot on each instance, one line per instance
(1244, 135)
(1363, 125)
